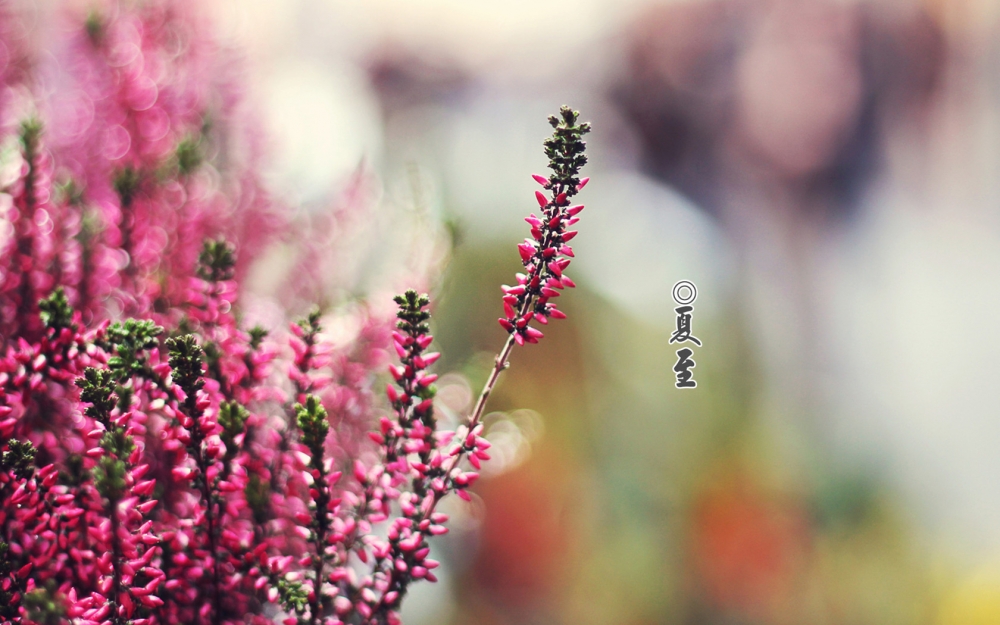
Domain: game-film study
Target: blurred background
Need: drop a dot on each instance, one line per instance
(827, 172)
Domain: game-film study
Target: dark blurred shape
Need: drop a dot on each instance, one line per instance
(677, 89)
(405, 79)
(905, 53)
(797, 93)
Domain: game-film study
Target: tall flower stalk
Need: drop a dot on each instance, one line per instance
(547, 254)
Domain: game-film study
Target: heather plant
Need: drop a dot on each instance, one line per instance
(160, 462)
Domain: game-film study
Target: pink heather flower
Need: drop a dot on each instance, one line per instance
(546, 254)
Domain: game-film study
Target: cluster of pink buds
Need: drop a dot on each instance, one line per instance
(118, 502)
(547, 253)
(29, 509)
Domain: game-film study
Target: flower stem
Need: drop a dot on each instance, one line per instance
(477, 412)
(501, 364)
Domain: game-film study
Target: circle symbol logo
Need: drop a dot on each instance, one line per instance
(685, 292)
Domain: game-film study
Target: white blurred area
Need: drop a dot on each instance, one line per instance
(309, 56)
(879, 333)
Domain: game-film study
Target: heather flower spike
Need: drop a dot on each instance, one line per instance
(546, 254)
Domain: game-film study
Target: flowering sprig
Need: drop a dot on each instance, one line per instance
(129, 581)
(30, 255)
(308, 356)
(311, 420)
(413, 459)
(545, 256)
(547, 253)
(414, 402)
(204, 448)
